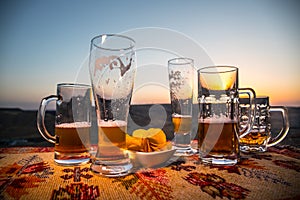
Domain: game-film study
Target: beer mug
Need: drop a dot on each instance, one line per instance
(181, 78)
(72, 123)
(112, 69)
(218, 121)
(260, 138)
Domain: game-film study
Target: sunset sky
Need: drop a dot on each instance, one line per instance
(47, 42)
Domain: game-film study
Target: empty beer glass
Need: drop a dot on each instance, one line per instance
(260, 137)
(112, 70)
(218, 122)
(181, 78)
(72, 123)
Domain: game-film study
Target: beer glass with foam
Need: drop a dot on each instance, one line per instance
(72, 123)
(181, 78)
(218, 121)
(112, 69)
(260, 137)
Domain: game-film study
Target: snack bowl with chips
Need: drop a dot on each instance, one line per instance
(149, 148)
(152, 159)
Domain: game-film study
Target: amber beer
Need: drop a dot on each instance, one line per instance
(182, 123)
(182, 132)
(72, 137)
(255, 138)
(218, 138)
(111, 138)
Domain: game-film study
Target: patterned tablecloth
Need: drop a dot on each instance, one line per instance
(30, 173)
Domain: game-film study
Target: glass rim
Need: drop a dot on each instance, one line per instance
(263, 99)
(131, 44)
(225, 69)
(74, 85)
(179, 59)
(257, 97)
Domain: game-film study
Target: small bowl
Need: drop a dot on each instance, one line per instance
(151, 159)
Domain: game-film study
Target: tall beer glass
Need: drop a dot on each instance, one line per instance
(181, 78)
(218, 122)
(112, 70)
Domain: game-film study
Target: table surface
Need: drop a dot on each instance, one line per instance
(30, 173)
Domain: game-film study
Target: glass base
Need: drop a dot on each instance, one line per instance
(222, 160)
(110, 169)
(253, 149)
(71, 159)
(219, 161)
(184, 151)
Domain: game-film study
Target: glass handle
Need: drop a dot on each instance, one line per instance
(41, 118)
(285, 125)
(252, 110)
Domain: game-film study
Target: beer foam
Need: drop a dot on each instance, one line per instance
(181, 116)
(111, 123)
(217, 120)
(74, 125)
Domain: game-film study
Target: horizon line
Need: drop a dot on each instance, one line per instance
(148, 104)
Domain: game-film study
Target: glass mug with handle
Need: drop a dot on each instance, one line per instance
(72, 123)
(260, 137)
(218, 121)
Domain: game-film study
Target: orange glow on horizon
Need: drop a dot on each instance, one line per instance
(156, 94)
(151, 94)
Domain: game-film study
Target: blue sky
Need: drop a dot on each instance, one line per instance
(45, 42)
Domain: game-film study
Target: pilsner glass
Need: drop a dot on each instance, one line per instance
(112, 70)
(218, 122)
(181, 78)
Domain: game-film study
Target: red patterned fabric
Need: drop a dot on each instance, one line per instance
(30, 173)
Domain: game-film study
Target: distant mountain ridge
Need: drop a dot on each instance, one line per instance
(18, 127)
